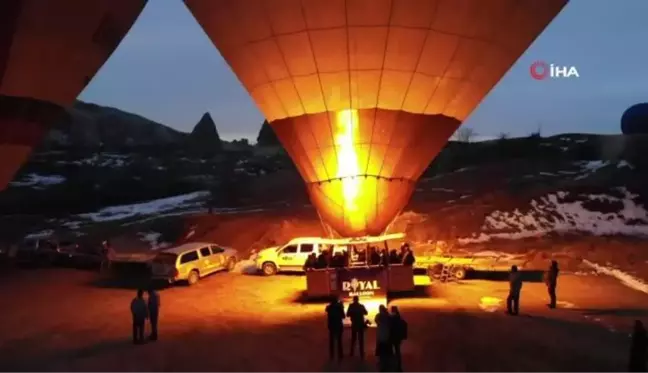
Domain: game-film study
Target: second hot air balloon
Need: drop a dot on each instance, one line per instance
(363, 94)
(49, 52)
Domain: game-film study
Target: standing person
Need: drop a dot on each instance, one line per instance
(383, 342)
(515, 286)
(408, 256)
(357, 312)
(398, 334)
(140, 313)
(638, 348)
(335, 318)
(551, 280)
(108, 254)
(153, 312)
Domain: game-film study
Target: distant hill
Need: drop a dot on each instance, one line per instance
(91, 125)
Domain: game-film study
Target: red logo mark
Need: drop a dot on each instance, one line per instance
(539, 70)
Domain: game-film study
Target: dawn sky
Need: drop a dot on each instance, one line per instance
(168, 70)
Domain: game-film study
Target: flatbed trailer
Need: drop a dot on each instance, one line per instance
(455, 266)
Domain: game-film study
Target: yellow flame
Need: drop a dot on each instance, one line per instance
(348, 167)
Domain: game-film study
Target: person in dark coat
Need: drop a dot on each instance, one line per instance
(638, 345)
(551, 280)
(322, 260)
(394, 258)
(515, 287)
(384, 258)
(139, 311)
(153, 312)
(357, 312)
(408, 256)
(384, 350)
(335, 319)
(398, 334)
(311, 262)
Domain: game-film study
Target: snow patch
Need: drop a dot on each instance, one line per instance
(153, 239)
(554, 213)
(157, 206)
(625, 278)
(101, 160)
(39, 235)
(38, 181)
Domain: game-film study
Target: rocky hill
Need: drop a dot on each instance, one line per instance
(91, 126)
(205, 137)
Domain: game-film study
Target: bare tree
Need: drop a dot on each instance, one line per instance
(464, 134)
(503, 136)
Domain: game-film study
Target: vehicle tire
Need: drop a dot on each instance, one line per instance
(269, 269)
(460, 273)
(231, 263)
(193, 278)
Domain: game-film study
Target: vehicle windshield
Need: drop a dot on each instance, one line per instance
(165, 258)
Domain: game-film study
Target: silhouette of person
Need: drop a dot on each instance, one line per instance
(311, 262)
(552, 281)
(153, 312)
(638, 345)
(398, 334)
(515, 286)
(375, 256)
(322, 260)
(383, 340)
(394, 258)
(140, 314)
(408, 256)
(384, 258)
(335, 318)
(357, 312)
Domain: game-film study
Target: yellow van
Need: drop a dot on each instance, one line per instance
(192, 261)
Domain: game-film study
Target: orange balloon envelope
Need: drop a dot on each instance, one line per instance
(363, 94)
(49, 52)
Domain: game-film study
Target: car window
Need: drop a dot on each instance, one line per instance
(217, 250)
(290, 249)
(306, 248)
(165, 258)
(205, 251)
(189, 257)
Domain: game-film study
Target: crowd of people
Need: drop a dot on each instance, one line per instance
(328, 258)
(391, 331)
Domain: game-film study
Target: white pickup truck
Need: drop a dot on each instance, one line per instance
(292, 256)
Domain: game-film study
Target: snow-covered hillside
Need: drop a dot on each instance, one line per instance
(568, 212)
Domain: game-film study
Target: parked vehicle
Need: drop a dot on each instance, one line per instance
(79, 255)
(192, 261)
(37, 252)
(292, 256)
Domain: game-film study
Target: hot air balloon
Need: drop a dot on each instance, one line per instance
(363, 94)
(49, 52)
(635, 119)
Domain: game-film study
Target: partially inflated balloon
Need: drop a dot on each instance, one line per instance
(49, 52)
(363, 94)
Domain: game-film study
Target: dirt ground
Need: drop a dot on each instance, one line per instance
(70, 320)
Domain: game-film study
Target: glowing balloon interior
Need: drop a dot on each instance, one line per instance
(49, 52)
(363, 94)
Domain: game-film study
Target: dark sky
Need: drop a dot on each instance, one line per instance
(168, 70)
